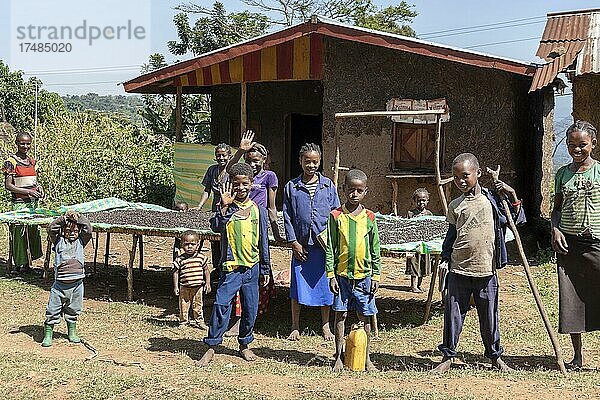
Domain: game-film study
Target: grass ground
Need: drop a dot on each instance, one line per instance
(144, 354)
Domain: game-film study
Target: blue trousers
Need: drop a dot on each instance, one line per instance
(246, 281)
(485, 293)
(66, 299)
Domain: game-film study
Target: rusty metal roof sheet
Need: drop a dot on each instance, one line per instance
(569, 39)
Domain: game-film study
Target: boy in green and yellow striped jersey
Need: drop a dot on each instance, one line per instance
(244, 257)
(353, 262)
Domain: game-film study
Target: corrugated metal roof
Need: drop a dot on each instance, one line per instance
(570, 38)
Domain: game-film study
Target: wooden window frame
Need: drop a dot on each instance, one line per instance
(395, 131)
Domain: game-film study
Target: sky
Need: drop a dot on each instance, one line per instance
(99, 65)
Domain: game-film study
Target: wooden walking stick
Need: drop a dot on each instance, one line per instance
(532, 285)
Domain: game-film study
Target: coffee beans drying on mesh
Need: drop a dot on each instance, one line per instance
(392, 231)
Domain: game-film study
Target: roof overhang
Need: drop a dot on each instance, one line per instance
(296, 53)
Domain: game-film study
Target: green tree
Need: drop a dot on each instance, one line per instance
(215, 29)
(159, 110)
(17, 99)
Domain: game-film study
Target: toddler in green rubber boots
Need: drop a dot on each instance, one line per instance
(69, 235)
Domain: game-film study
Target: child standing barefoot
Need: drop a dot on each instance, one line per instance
(576, 238)
(474, 248)
(69, 235)
(418, 265)
(245, 249)
(191, 279)
(307, 202)
(353, 263)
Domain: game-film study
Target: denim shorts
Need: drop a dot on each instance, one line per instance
(354, 294)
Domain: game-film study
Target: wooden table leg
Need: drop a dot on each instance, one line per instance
(47, 257)
(96, 245)
(141, 248)
(394, 197)
(434, 272)
(9, 260)
(107, 250)
(130, 269)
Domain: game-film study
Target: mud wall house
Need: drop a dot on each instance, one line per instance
(571, 44)
(288, 85)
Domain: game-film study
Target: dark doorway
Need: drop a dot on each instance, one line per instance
(302, 129)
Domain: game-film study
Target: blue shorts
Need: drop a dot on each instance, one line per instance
(354, 294)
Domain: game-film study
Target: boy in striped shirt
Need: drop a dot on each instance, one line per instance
(353, 262)
(190, 279)
(244, 257)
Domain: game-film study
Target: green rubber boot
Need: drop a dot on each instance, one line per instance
(48, 331)
(72, 332)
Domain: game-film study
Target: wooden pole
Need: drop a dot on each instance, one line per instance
(130, 269)
(141, 248)
(243, 107)
(107, 250)
(336, 164)
(532, 285)
(178, 120)
(96, 245)
(438, 173)
(434, 272)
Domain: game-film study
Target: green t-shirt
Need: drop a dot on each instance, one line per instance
(581, 200)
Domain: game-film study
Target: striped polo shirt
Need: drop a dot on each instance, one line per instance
(580, 212)
(191, 269)
(243, 236)
(24, 176)
(353, 245)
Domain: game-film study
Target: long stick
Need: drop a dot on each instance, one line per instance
(532, 284)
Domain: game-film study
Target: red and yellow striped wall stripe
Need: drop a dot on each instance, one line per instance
(297, 59)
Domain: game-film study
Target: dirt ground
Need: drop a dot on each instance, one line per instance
(143, 353)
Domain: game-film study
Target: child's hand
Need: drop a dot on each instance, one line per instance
(207, 288)
(299, 251)
(374, 286)
(559, 243)
(247, 141)
(502, 187)
(227, 196)
(333, 286)
(264, 280)
(176, 291)
(72, 216)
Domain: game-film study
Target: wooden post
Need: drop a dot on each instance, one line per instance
(96, 245)
(438, 173)
(107, 250)
(130, 269)
(434, 272)
(243, 107)
(47, 257)
(178, 121)
(141, 248)
(336, 164)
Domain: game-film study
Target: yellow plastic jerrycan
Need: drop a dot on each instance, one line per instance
(355, 355)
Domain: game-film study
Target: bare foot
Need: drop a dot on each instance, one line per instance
(295, 335)
(327, 335)
(206, 358)
(370, 367)
(416, 290)
(442, 367)
(501, 366)
(247, 354)
(338, 366)
(202, 325)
